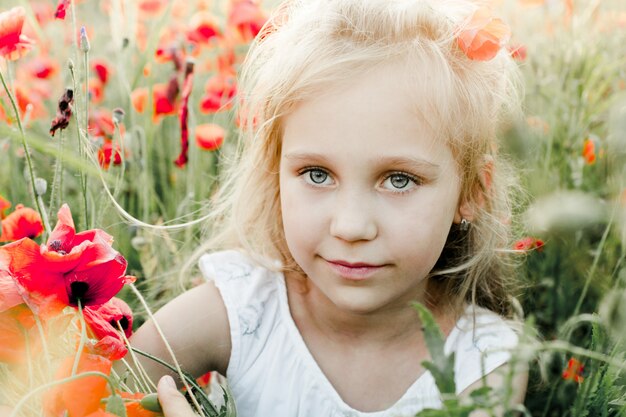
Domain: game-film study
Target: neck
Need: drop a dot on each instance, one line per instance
(397, 324)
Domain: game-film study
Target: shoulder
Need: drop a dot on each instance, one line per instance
(481, 341)
(249, 288)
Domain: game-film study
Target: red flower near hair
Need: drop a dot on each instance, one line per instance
(13, 44)
(69, 267)
(574, 371)
(247, 18)
(483, 36)
(209, 136)
(529, 243)
(21, 223)
(219, 93)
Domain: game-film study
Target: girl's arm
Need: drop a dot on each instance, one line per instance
(195, 325)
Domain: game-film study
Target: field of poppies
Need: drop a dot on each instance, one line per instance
(115, 117)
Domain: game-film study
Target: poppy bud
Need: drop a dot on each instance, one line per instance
(151, 403)
(84, 40)
(118, 115)
(41, 186)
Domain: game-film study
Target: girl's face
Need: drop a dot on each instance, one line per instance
(367, 194)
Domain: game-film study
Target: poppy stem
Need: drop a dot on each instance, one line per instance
(44, 387)
(29, 162)
(83, 337)
(146, 381)
(81, 152)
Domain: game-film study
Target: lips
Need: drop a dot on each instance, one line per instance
(353, 271)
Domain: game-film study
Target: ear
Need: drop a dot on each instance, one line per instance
(469, 207)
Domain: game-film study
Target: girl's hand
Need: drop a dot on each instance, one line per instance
(172, 401)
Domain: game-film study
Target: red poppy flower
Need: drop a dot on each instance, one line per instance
(529, 243)
(203, 27)
(108, 152)
(96, 90)
(21, 223)
(62, 7)
(483, 36)
(82, 396)
(102, 69)
(163, 98)
(42, 67)
(247, 18)
(219, 93)
(10, 295)
(13, 44)
(16, 325)
(518, 52)
(30, 100)
(574, 370)
(204, 380)
(589, 151)
(103, 321)
(69, 267)
(209, 136)
(151, 7)
(4, 204)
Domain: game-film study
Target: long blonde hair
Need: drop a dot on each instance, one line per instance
(312, 45)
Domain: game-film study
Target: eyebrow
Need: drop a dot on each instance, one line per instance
(397, 161)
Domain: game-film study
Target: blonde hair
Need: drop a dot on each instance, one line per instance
(312, 45)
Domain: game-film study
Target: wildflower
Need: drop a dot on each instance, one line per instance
(204, 27)
(529, 243)
(4, 205)
(483, 35)
(247, 18)
(204, 380)
(163, 98)
(96, 90)
(16, 330)
(84, 40)
(102, 70)
(574, 371)
(69, 267)
(518, 52)
(103, 321)
(151, 7)
(10, 295)
(108, 152)
(13, 44)
(184, 111)
(219, 93)
(209, 136)
(82, 396)
(22, 222)
(64, 112)
(30, 97)
(61, 10)
(589, 151)
(42, 67)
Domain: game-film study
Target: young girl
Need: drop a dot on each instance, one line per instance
(369, 178)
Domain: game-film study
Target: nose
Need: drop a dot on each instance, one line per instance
(353, 219)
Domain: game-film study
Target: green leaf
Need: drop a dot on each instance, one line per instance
(441, 366)
(115, 405)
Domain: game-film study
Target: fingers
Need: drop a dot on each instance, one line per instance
(172, 401)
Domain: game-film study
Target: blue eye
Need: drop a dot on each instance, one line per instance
(400, 182)
(315, 176)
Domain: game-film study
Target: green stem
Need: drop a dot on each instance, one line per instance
(44, 387)
(81, 152)
(592, 271)
(83, 337)
(29, 162)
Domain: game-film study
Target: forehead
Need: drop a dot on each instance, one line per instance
(379, 111)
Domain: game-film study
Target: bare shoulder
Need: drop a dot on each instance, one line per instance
(195, 324)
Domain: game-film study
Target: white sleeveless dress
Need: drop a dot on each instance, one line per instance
(272, 373)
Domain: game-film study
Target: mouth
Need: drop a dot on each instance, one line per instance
(356, 271)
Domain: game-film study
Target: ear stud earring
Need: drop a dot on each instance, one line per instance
(464, 226)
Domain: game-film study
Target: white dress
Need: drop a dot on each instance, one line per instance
(272, 373)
